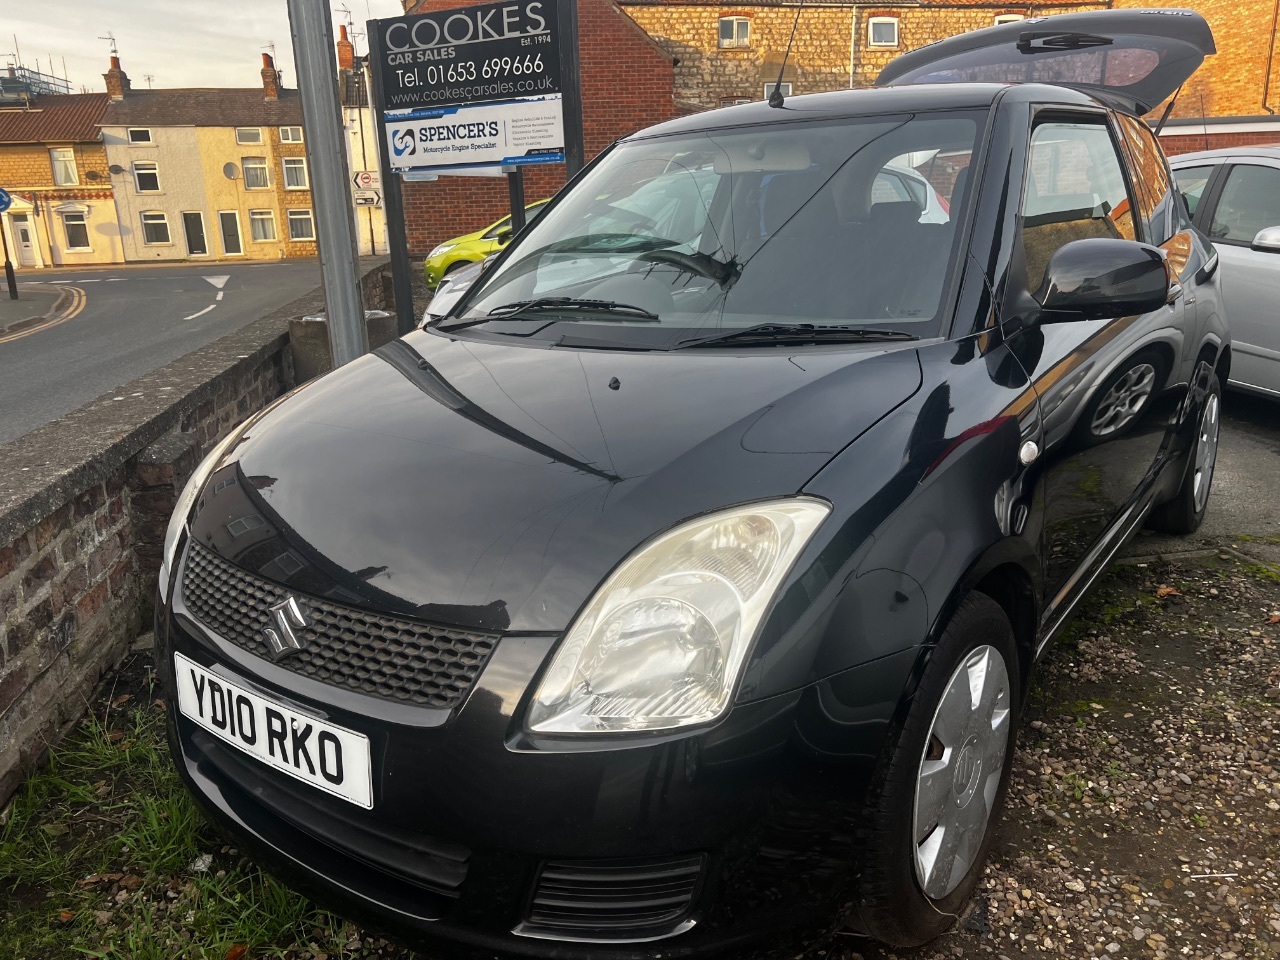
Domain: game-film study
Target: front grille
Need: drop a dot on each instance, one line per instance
(344, 646)
(614, 898)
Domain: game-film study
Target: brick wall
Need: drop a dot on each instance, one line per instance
(831, 50)
(26, 165)
(84, 503)
(1231, 83)
(627, 84)
(1175, 142)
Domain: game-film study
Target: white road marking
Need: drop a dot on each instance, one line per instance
(201, 313)
(220, 293)
(219, 280)
(95, 280)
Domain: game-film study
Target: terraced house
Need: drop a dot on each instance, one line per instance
(53, 163)
(209, 173)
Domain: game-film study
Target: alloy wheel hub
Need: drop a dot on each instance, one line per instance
(1206, 453)
(1124, 400)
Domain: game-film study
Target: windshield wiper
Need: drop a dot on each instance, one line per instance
(792, 333)
(523, 309)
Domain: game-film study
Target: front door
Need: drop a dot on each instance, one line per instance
(1106, 386)
(26, 245)
(230, 223)
(193, 224)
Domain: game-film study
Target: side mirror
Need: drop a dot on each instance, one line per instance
(1267, 240)
(1103, 277)
(504, 236)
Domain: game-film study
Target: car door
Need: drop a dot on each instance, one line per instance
(1109, 388)
(1246, 201)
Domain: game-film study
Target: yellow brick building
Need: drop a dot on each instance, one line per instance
(53, 163)
(729, 52)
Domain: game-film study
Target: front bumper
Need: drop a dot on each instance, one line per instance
(469, 820)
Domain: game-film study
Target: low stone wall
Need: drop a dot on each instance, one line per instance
(84, 502)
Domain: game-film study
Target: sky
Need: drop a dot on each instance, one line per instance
(180, 44)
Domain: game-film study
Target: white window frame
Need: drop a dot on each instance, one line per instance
(258, 162)
(295, 215)
(84, 222)
(241, 131)
(786, 88)
(146, 166)
(874, 22)
(70, 157)
(132, 130)
(270, 217)
(736, 43)
(1009, 18)
(163, 219)
(734, 101)
(287, 136)
(296, 163)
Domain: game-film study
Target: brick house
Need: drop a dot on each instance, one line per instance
(209, 173)
(53, 162)
(627, 84)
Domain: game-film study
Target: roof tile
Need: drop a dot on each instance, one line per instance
(204, 107)
(68, 117)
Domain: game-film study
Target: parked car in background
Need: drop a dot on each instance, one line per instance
(473, 247)
(1234, 196)
(677, 593)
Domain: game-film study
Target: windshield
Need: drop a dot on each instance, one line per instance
(842, 223)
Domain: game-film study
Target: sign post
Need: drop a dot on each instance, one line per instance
(5, 202)
(313, 54)
(486, 87)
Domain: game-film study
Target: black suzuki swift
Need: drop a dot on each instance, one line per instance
(676, 593)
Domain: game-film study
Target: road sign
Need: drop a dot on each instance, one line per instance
(472, 87)
(368, 198)
(5, 200)
(367, 179)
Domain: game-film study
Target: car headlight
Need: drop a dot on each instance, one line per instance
(186, 500)
(443, 248)
(662, 641)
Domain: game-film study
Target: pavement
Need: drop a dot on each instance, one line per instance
(119, 323)
(35, 302)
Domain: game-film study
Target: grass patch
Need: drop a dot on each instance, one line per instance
(104, 854)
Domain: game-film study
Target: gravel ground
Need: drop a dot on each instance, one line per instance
(1144, 814)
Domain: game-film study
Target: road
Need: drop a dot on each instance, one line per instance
(133, 320)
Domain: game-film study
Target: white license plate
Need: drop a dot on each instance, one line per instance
(328, 757)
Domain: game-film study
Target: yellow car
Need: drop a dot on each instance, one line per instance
(472, 247)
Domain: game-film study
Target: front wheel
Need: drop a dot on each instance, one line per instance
(1185, 512)
(940, 782)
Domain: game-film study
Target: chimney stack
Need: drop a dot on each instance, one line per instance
(117, 80)
(346, 50)
(270, 79)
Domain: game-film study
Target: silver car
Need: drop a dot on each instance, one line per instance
(1233, 195)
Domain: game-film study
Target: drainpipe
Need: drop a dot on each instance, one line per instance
(1271, 59)
(853, 45)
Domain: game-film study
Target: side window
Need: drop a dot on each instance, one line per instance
(1191, 184)
(1074, 190)
(1161, 211)
(1250, 202)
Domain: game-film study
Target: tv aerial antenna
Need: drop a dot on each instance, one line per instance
(111, 38)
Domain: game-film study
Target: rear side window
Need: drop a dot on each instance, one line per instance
(1075, 190)
(1191, 184)
(1157, 200)
(1250, 202)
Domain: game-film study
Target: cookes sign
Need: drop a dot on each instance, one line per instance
(475, 86)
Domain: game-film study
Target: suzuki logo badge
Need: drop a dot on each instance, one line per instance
(281, 638)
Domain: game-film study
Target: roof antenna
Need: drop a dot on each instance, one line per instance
(776, 98)
(112, 38)
(1167, 110)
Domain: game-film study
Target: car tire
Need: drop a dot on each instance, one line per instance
(1185, 512)
(1125, 396)
(900, 899)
